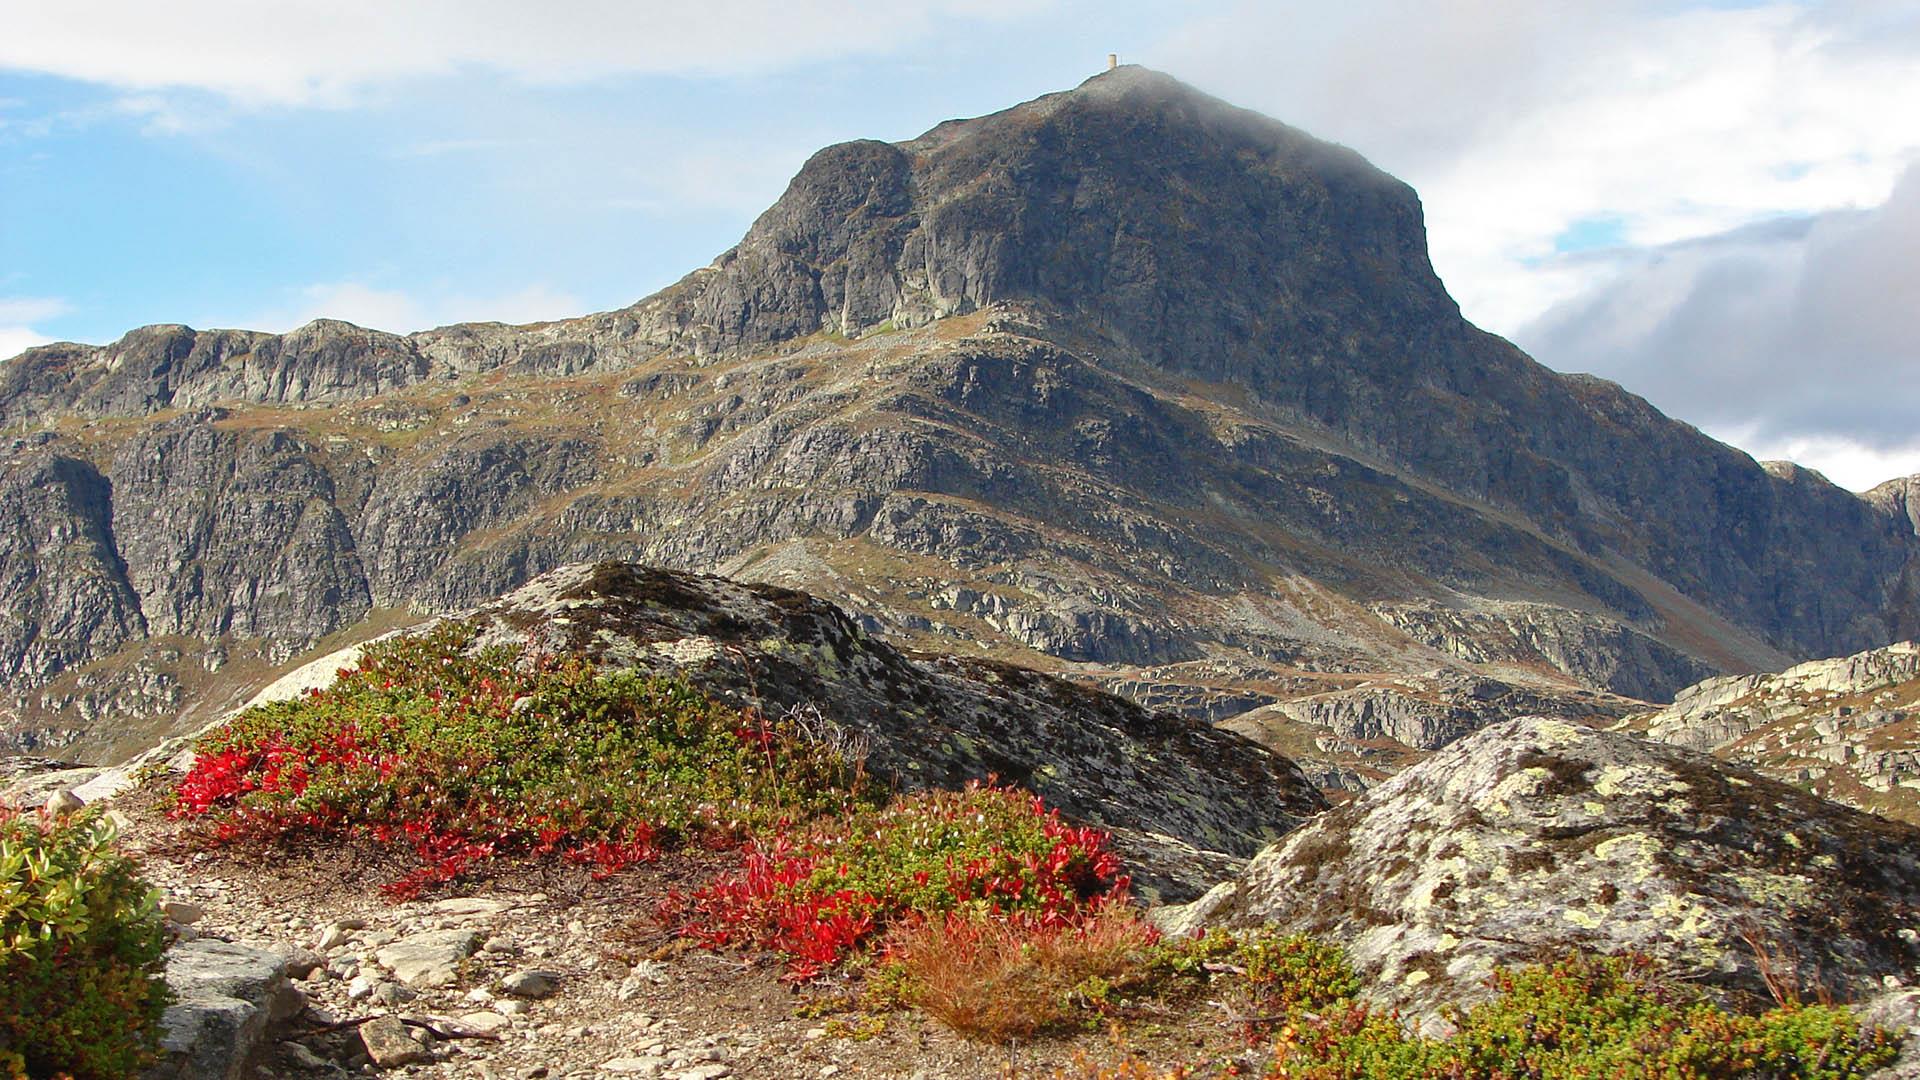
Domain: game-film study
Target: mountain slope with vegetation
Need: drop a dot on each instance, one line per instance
(1123, 381)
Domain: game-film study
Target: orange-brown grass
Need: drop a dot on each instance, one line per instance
(1000, 980)
(1086, 1068)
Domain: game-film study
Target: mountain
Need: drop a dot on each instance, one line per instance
(1124, 382)
(1845, 729)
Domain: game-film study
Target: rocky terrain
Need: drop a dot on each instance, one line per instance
(1539, 835)
(1511, 843)
(1122, 382)
(1847, 729)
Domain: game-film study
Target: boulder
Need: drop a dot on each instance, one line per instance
(225, 997)
(1536, 836)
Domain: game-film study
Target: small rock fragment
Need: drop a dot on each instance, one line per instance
(388, 1043)
(529, 984)
(487, 1023)
(649, 1065)
(302, 962)
(63, 802)
(182, 913)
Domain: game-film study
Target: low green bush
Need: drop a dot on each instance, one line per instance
(1588, 1018)
(80, 951)
(467, 754)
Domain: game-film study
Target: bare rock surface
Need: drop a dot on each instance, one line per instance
(1537, 836)
(226, 996)
(1846, 728)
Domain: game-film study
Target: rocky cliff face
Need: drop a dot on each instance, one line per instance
(1119, 378)
(1536, 836)
(1846, 728)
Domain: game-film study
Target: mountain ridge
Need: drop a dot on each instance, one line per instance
(1153, 380)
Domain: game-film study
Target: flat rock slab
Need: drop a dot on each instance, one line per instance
(428, 959)
(472, 905)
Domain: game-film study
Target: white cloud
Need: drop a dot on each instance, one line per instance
(15, 340)
(327, 51)
(17, 313)
(31, 309)
(1794, 337)
(1518, 120)
(398, 311)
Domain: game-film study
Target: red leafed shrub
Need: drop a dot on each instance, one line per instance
(818, 893)
(465, 754)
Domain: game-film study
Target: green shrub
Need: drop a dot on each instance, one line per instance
(465, 755)
(1586, 1018)
(80, 951)
(818, 894)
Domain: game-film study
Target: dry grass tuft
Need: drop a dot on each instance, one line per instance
(1004, 980)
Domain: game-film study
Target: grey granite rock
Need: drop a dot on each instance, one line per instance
(1537, 836)
(1185, 798)
(225, 998)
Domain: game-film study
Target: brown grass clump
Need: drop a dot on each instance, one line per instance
(1004, 980)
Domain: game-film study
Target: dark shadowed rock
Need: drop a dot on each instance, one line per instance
(1538, 836)
(1183, 798)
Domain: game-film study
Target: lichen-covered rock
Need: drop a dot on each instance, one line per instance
(1172, 789)
(1537, 836)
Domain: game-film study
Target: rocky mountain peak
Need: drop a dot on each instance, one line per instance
(1199, 234)
(1123, 376)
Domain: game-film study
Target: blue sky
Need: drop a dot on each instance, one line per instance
(1599, 176)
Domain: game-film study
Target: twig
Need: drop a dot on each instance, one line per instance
(442, 1028)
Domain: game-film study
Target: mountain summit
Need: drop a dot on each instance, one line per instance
(1124, 380)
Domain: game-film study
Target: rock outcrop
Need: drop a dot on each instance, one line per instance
(1123, 376)
(1847, 729)
(1536, 836)
(1184, 799)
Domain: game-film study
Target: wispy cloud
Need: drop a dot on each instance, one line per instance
(17, 316)
(403, 311)
(328, 53)
(31, 309)
(441, 147)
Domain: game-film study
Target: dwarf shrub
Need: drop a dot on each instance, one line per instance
(466, 754)
(1589, 1017)
(80, 951)
(817, 893)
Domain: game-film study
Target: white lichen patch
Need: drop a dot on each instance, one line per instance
(1556, 733)
(1633, 851)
